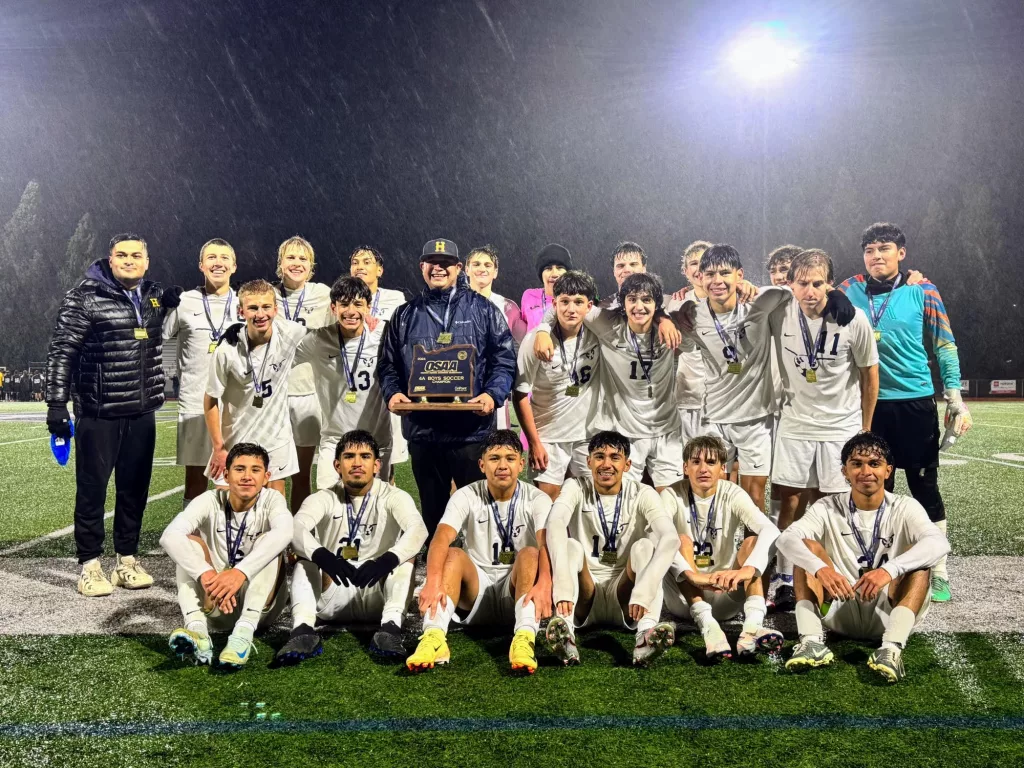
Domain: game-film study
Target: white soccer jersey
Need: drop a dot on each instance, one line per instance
(735, 514)
(908, 540)
(385, 302)
(732, 398)
(231, 382)
(309, 306)
(197, 331)
(321, 351)
(389, 522)
(560, 418)
(689, 391)
(829, 407)
(471, 509)
(211, 517)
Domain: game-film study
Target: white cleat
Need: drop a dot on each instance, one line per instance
(762, 640)
(716, 645)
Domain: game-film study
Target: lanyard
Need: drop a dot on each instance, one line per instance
(234, 544)
(353, 520)
(867, 555)
(645, 368)
(298, 303)
(376, 301)
(709, 526)
(215, 332)
(610, 536)
(505, 531)
(350, 373)
(876, 317)
(135, 297)
(256, 382)
(812, 348)
(731, 350)
(573, 374)
(447, 310)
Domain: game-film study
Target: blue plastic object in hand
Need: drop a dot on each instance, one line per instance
(61, 447)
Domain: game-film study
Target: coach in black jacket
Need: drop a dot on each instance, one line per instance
(445, 445)
(105, 355)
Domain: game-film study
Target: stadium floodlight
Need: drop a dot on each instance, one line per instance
(761, 55)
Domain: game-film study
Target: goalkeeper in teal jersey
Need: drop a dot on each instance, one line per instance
(907, 321)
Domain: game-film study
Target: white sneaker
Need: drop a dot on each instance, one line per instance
(93, 582)
(129, 573)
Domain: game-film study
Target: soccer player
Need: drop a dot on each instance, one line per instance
(863, 560)
(725, 545)
(636, 377)
(197, 324)
(357, 540)
(611, 569)
(628, 259)
(344, 358)
(306, 303)
(227, 546)
(830, 384)
(554, 400)
(689, 392)
(908, 320)
(503, 575)
(778, 264)
(482, 271)
(551, 262)
(246, 398)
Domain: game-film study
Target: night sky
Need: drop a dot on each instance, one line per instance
(518, 123)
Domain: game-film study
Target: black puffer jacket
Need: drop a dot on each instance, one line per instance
(95, 357)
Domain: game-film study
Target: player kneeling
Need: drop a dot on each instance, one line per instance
(502, 576)
(228, 545)
(610, 572)
(863, 561)
(357, 540)
(711, 578)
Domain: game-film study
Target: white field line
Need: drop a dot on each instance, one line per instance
(159, 423)
(70, 529)
(997, 426)
(952, 656)
(978, 458)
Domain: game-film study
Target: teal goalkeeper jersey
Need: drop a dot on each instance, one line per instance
(914, 319)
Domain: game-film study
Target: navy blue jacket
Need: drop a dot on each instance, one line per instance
(474, 320)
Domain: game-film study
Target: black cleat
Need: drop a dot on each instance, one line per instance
(785, 599)
(304, 643)
(387, 641)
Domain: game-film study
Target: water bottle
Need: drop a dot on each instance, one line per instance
(948, 438)
(61, 447)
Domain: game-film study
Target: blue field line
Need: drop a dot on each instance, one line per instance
(526, 723)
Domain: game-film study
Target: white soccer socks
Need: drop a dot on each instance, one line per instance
(808, 621)
(900, 625)
(397, 588)
(257, 593)
(939, 569)
(303, 594)
(441, 617)
(526, 616)
(754, 610)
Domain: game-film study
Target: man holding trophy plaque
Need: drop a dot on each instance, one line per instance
(448, 357)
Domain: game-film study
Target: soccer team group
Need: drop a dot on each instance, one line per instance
(635, 413)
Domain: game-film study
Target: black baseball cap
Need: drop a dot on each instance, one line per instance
(441, 250)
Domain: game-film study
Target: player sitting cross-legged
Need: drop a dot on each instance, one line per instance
(712, 578)
(610, 572)
(357, 540)
(228, 545)
(863, 561)
(502, 576)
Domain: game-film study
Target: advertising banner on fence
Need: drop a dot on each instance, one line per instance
(1002, 387)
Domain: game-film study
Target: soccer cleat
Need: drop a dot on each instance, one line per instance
(431, 651)
(303, 643)
(129, 573)
(563, 644)
(762, 640)
(93, 582)
(387, 641)
(809, 653)
(652, 643)
(236, 652)
(940, 590)
(785, 598)
(188, 644)
(716, 645)
(888, 662)
(521, 653)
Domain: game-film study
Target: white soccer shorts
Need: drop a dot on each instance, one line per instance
(304, 412)
(194, 447)
(284, 462)
(326, 477)
(351, 605)
(691, 420)
(606, 610)
(562, 456)
(495, 604)
(750, 441)
(399, 447)
(865, 621)
(809, 464)
(724, 605)
(662, 456)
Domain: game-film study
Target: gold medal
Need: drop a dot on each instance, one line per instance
(348, 552)
(811, 376)
(507, 556)
(444, 338)
(140, 333)
(703, 561)
(609, 556)
(213, 347)
(734, 367)
(878, 335)
(257, 402)
(573, 390)
(350, 396)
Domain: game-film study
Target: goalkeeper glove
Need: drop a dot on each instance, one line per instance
(958, 418)
(339, 569)
(373, 571)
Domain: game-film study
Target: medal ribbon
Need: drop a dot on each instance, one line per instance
(610, 536)
(350, 373)
(876, 317)
(867, 555)
(645, 368)
(216, 332)
(236, 544)
(298, 304)
(447, 311)
(353, 520)
(573, 374)
(256, 382)
(376, 301)
(505, 531)
(135, 297)
(812, 348)
(731, 350)
(709, 526)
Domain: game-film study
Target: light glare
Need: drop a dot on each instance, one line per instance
(761, 56)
